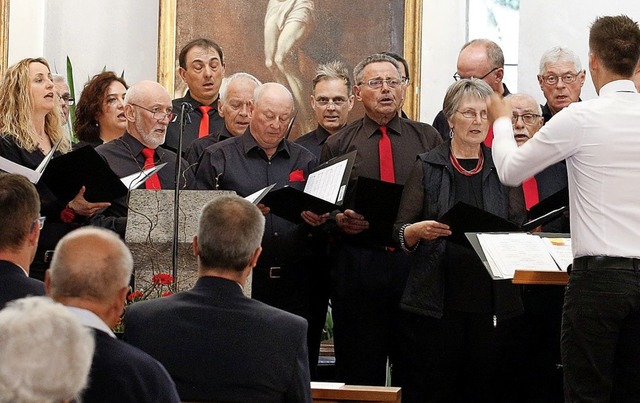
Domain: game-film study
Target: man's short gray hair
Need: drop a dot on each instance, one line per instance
(46, 352)
(229, 232)
(526, 97)
(227, 81)
(559, 54)
(375, 58)
(91, 263)
(333, 70)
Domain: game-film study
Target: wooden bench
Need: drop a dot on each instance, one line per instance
(330, 392)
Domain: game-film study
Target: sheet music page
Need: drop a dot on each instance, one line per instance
(136, 179)
(14, 168)
(507, 253)
(560, 250)
(257, 196)
(325, 183)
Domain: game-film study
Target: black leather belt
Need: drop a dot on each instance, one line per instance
(605, 262)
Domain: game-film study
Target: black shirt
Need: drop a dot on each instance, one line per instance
(314, 140)
(196, 149)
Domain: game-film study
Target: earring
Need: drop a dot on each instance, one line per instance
(451, 133)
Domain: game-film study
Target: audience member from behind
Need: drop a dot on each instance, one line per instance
(90, 274)
(21, 223)
(29, 129)
(561, 79)
(331, 101)
(599, 141)
(148, 112)
(202, 69)
(100, 111)
(64, 96)
(232, 348)
(483, 59)
(46, 352)
(234, 106)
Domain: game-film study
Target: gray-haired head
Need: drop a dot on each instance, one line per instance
(375, 58)
(464, 89)
(559, 54)
(333, 70)
(228, 80)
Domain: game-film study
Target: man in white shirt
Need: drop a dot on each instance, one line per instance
(90, 274)
(599, 140)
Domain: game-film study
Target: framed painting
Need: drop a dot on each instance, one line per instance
(4, 35)
(327, 30)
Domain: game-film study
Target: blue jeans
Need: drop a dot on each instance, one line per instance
(600, 339)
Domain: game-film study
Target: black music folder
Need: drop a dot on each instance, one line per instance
(65, 175)
(378, 202)
(323, 192)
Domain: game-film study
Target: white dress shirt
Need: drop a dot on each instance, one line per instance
(600, 140)
(90, 319)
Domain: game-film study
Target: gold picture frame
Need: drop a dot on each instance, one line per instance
(412, 31)
(4, 35)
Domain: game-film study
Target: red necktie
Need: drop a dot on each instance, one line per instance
(530, 189)
(154, 181)
(204, 122)
(488, 141)
(386, 157)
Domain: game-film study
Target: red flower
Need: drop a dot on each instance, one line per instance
(166, 294)
(134, 295)
(162, 279)
(67, 215)
(296, 176)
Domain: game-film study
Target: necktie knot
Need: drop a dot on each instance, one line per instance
(148, 153)
(204, 109)
(154, 181)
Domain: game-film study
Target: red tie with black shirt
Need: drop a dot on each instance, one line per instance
(386, 157)
(204, 122)
(154, 181)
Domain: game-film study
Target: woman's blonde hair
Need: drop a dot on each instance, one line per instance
(16, 116)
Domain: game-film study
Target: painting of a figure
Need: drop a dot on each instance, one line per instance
(285, 40)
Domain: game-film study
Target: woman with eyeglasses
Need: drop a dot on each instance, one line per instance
(29, 129)
(100, 110)
(457, 325)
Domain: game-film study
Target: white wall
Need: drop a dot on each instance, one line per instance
(119, 34)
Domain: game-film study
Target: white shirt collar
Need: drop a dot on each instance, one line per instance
(90, 319)
(617, 86)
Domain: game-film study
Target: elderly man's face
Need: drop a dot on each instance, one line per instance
(203, 74)
(64, 95)
(331, 103)
(270, 118)
(236, 108)
(150, 115)
(473, 62)
(561, 94)
(525, 119)
(382, 103)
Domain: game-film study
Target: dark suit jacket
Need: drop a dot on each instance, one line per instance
(219, 345)
(15, 284)
(122, 373)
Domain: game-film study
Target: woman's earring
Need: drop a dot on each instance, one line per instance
(451, 133)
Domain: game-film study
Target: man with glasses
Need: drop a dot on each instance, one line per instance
(483, 59)
(561, 79)
(148, 111)
(368, 278)
(64, 96)
(21, 224)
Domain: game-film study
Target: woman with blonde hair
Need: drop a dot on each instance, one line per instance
(29, 129)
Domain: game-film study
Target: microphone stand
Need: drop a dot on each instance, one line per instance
(185, 109)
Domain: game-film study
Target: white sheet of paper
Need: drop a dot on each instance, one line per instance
(326, 385)
(136, 179)
(257, 196)
(507, 253)
(325, 183)
(33, 175)
(560, 250)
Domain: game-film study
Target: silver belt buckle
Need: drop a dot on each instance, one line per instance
(274, 272)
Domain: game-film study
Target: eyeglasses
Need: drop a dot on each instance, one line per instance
(566, 78)
(337, 102)
(405, 80)
(157, 115)
(68, 100)
(473, 114)
(527, 118)
(457, 76)
(377, 83)
(39, 221)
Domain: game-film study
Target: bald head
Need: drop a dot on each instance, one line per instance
(271, 114)
(90, 263)
(482, 58)
(148, 111)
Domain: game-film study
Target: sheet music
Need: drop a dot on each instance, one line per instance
(509, 252)
(560, 250)
(326, 183)
(33, 175)
(136, 179)
(257, 196)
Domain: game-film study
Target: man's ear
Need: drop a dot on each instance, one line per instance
(182, 72)
(129, 113)
(254, 259)
(356, 92)
(196, 251)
